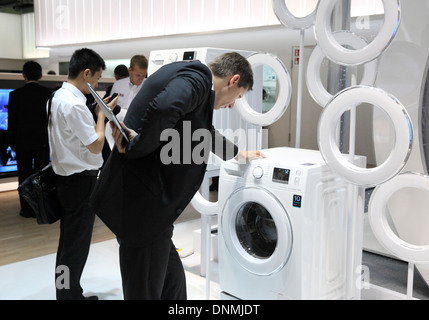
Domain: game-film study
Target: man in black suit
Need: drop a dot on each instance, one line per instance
(147, 184)
(27, 126)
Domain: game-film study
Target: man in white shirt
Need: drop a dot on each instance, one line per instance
(128, 88)
(76, 144)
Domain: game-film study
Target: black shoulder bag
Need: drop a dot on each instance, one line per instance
(40, 191)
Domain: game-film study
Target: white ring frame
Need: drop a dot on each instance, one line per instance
(284, 96)
(203, 206)
(348, 99)
(288, 19)
(314, 81)
(335, 52)
(380, 225)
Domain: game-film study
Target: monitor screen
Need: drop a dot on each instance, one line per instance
(7, 156)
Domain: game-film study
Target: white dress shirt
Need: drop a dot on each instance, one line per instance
(126, 93)
(71, 129)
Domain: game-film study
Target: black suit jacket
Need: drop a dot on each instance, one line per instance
(139, 195)
(27, 122)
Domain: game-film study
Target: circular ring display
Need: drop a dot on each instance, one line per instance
(288, 19)
(379, 222)
(314, 81)
(344, 101)
(337, 53)
(284, 96)
(203, 206)
(282, 252)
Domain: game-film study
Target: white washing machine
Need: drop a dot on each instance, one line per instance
(284, 229)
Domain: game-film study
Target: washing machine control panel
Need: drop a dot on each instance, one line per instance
(277, 176)
(258, 172)
(281, 175)
(293, 178)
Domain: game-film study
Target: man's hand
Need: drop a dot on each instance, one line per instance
(120, 142)
(111, 104)
(247, 156)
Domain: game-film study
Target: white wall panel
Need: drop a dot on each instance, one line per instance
(62, 22)
(29, 50)
(12, 36)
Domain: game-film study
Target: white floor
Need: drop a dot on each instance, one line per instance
(34, 279)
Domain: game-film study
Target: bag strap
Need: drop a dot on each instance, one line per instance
(50, 105)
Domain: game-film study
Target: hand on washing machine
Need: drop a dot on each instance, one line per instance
(247, 156)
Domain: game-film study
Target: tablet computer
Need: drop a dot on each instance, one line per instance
(107, 111)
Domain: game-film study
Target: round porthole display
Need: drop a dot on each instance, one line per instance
(337, 53)
(284, 94)
(379, 222)
(344, 101)
(203, 206)
(314, 81)
(288, 19)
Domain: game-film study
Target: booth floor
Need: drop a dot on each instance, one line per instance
(27, 273)
(33, 279)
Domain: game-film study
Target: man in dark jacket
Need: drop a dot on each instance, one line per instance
(148, 183)
(27, 126)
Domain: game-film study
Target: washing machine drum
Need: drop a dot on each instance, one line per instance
(257, 231)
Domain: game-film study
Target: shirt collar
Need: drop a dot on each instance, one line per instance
(75, 91)
(135, 86)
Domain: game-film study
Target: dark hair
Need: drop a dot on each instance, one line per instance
(83, 59)
(122, 71)
(232, 63)
(32, 71)
(140, 61)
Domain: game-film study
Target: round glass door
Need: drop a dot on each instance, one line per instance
(256, 230)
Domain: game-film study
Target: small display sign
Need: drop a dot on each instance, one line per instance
(297, 201)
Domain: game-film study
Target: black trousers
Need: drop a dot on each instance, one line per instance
(76, 228)
(28, 162)
(154, 272)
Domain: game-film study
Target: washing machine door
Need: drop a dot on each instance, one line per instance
(257, 231)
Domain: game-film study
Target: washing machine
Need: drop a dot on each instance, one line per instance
(284, 229)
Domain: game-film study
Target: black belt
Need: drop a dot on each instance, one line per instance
(88, 173)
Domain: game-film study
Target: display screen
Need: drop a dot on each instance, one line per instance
(4, 100)
(281, 175)
(7, 156)
(189, 56)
